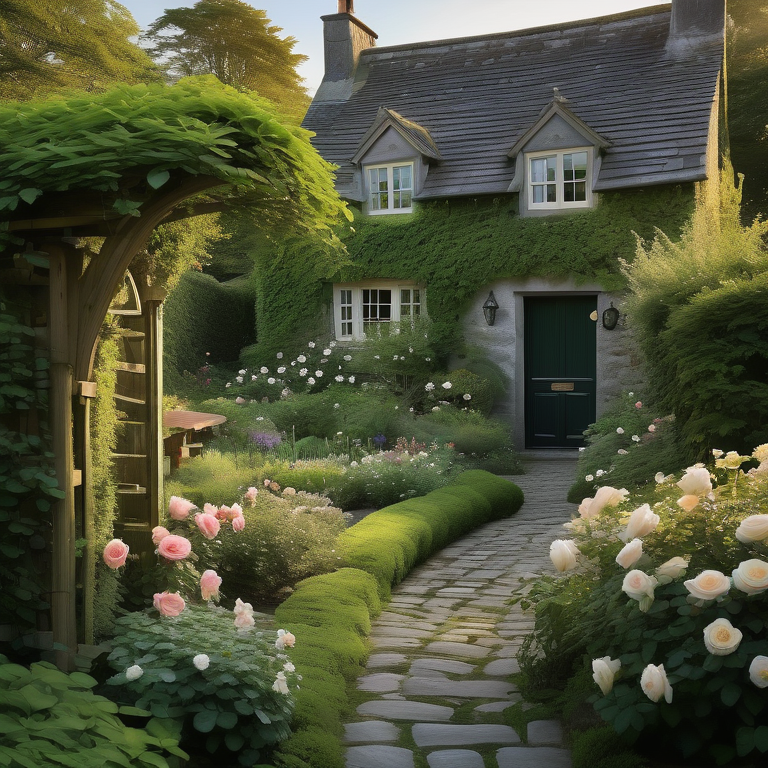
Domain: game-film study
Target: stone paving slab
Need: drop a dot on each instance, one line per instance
(442, 665)
(380, 682)
(433, 734)
(545, 732)
(455, 758)
(457, 649)
(370, 731)
(533, 757)
(463, 689)
(406, 710)
(379, 756)
(378, 660)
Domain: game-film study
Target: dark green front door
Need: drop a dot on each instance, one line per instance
(560, 369)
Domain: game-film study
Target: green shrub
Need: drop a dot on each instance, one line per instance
(285, 539)
(698, 310)
(469, 431)
(51, 718)
(617, 459)
(463, 383)
(317, 476)
(602, 748)
(214, 478)
(226, 700)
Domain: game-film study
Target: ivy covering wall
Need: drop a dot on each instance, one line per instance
(455, 248)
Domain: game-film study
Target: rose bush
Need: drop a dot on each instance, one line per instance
(693, 652)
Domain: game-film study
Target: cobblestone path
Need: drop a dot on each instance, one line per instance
(443, 649)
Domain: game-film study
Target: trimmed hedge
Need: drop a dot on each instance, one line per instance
(331, 614)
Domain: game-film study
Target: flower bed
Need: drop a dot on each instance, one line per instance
(683, 659)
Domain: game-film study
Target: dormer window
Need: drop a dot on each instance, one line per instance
(390, 188)
(559, 179)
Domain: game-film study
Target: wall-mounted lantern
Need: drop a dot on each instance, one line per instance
(489, 309)
(610, 318)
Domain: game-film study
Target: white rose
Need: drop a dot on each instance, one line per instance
(732, 460)
(659, 477)
(751, 577)
(133, 673)
(630, 554)
(607, 497)
(563, 554)
(619, 431)
(655, 684)
(688, 502)
(641, 522)
(447, 385)
(589, 479)
(752, 528)
(758, 671)
(264, 369)
(585, 508)
(695, 482)
(201, 661)
(280, 685)
(639, 586)
(604, 671)
(672, 568)
(288, 667)
(721, 637)
(327, 351)
(708, 585)
(761, 452)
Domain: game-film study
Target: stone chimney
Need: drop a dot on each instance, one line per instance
(345, 37)
(695, 22)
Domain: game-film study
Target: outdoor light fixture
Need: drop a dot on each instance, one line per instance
(610, 318)
(489, 309)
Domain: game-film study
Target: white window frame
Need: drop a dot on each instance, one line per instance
(342, 324)
(560, 203)
(390, 169)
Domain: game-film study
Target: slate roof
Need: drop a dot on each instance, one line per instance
(477, 96)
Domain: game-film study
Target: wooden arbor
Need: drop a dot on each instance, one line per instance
(114, 166)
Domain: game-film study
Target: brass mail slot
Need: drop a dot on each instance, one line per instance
(562, 386)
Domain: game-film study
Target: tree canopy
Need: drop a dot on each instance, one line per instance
(233, 41)
(47, 45)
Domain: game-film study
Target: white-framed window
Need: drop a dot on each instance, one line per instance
(360, 307)
(559, 179)
(390, 188)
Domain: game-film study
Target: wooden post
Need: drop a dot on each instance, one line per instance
(63, 614)
(154, 394)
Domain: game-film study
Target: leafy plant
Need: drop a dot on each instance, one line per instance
(198, 669)
(51, 718)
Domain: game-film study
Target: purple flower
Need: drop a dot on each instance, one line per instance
(379, 440)
(265, 440)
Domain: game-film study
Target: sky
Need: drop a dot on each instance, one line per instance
(405, 21)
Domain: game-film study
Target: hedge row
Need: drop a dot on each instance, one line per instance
(331, 614)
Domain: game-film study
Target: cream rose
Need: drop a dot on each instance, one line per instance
(655, 684)
(695, 482)
(607, 497)
(604, 671)
(721, 637)
(688, 502)
(585, 508)
(761, 453)
(672, 568)
(708, 585)
(639, 586)
(751, 577)
(758, 671)
(752, 528)
(563, 554)
(641, 522)
(630, 554)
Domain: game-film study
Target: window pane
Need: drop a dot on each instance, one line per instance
(551, 193)
(551, 169)
(580, 191)
(568, 192)
(377, 305)
(538, 194)
(405, 296)
(539, 170)
(416, 296)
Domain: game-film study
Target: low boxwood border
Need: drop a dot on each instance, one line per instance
(331, 614)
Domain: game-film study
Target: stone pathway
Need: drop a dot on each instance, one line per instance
(445, 646)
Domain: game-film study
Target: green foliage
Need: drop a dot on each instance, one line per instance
(27, 482)
(215, 478)
(455, 247)
(202, 315)
(470, 431)
(602, 747)
(286, 538)
(82, 44)
(151, 133)
(660, 450)
(51, 718)
(228, 707)
(235, 42)
(103, 441)
(716, 710)
(699, 312)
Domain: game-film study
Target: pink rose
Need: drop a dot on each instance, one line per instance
(158, 534)
(266, 482)
(244, 620)
(173, 547)
(638, 404)
(222, 513)
(250, 494)
(236, 510)
(115, 553)
(169, 603)
(209, 526)
(238, 524)
(210, 582)
(179, 508)
(209, 509)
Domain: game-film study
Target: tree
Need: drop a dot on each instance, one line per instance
(47, 45)
(235, 42)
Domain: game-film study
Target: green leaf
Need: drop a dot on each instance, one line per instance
(226, 720)
(36, 699)
(713, 663)
(761, 738)
(135, 711)
(730, 694)
(157, 177)
(205, 721)
(234, 742)
(30, 194)
(745, 741)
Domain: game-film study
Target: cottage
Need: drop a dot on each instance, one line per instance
(562, 139)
